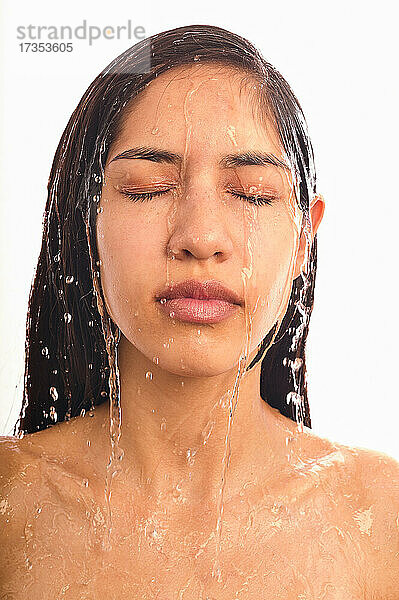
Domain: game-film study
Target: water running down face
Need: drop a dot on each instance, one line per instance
(198, 213)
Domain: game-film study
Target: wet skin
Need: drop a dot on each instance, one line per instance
(325, 526)
(197, 229)
(302, 517)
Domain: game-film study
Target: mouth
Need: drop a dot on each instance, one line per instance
(199, 302)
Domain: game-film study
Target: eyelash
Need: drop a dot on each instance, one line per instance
(143, 197)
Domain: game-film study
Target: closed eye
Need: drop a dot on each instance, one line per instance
(254, 199)
(142, 197)
(258, 200)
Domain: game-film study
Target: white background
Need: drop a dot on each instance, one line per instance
(341, 61)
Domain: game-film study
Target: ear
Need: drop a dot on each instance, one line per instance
(317, 207)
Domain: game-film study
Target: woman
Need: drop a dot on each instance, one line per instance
(165, 435)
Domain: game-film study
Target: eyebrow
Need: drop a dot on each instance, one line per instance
(243, 159)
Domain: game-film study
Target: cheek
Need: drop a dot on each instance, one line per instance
(126, 247)
(273, 259)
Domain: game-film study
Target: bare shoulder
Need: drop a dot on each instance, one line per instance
(42, 470)
(379, 477)
(58, 459)
(14, 466)
(30, 463)
(20, 476)
(365, 485)
(372, 477)
(17, 478)
(369, 486)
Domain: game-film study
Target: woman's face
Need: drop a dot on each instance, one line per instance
(210, 218)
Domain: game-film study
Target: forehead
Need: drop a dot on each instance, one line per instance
(214, 105)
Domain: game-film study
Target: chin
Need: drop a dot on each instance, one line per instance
(198, 364)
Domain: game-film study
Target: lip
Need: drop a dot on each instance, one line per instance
(199, 301)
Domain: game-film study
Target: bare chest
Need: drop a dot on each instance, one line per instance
(261, 550)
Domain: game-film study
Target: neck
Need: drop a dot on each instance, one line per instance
(177, 430)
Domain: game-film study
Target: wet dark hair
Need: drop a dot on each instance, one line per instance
(70, 348)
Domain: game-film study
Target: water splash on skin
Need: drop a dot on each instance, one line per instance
(183, 563)
(364, 519)
(117, 453)
(246, 274)
(249, 224)
(216, 571)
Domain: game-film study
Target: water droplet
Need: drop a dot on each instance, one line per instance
(57, 257)
(100, 210)
(190, 456)
(155, 360)
(91, 323)
(163, 425)
(172, 313)
(45, 351)
(162, 301)
(54, 393)
(206, 432)
(155, 130)
(67, 317)
(294, 397)
(53, 414)
(296, 364)
(148, 375)
(69, 278)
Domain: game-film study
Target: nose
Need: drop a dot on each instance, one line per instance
(200, 225)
